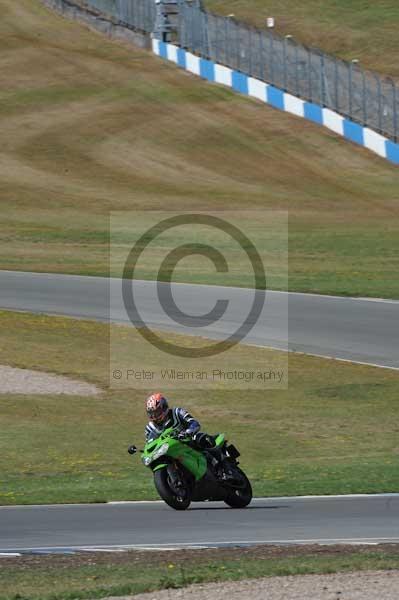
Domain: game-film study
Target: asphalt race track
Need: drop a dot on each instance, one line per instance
(359, 330)
(351, 519)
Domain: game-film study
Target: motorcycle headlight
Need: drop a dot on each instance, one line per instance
(147, 460)
(161, 451)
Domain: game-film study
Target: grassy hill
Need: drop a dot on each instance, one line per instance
(350, 29)
(90, 126)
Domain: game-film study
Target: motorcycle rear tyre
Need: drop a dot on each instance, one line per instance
(167, 495)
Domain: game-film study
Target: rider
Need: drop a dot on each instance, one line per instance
(162, 417)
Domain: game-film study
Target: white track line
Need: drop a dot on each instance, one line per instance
(324, 356)
(212, 544)
(256, 499)
(292, 293)
(116, 550)
(116, 502)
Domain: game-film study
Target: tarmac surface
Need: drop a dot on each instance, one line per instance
(354, 329)
(300, 520)
(359, 330)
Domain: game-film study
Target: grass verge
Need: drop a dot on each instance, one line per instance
(91, 126)
(67, 578)
(333, 430)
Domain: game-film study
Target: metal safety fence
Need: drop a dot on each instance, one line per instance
(360, 95)
(308, 73)
(135, 14)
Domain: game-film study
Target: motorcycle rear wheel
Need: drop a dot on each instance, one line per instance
(167, 494)
(240, 497)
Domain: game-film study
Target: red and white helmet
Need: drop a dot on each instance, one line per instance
(157, 408)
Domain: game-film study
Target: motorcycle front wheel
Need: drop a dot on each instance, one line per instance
(240, 496)
(162, 483)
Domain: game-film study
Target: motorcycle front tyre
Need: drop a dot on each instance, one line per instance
(167, 495)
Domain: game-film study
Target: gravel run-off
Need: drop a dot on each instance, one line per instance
(24, 381)
(360, 585)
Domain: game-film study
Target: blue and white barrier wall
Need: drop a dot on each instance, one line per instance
(275, 97)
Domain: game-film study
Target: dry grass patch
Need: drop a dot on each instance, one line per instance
(91, 126)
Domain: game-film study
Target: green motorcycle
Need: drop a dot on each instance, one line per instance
(184, 474)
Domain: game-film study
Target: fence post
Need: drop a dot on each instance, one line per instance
(285, 63)
(336, 84)
(364, 95)
(216, 39)
(250, 51)
(395, 113)
(226, 35)
(142, 16)
(350, 80)
(146, 16)
(182, 26)
(296, 70)
(271, 59)
(234, 58)
(309, 74)
(322, 86)
(379, 103)
(206, 50)
(192, 33)
(393, 107)
(262, 57)
(150, 22)
(238, 44)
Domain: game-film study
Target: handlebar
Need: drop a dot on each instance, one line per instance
(172, 433)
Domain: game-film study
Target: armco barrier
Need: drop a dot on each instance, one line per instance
(277, 98)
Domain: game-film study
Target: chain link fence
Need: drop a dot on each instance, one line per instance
(308, 73)
(135, 14)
